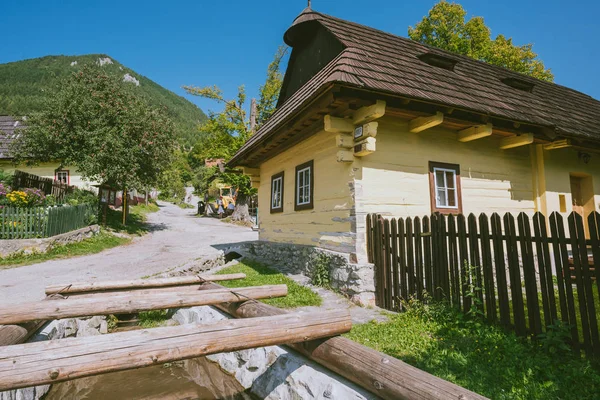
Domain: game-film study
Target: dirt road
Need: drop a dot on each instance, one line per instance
(177, 237)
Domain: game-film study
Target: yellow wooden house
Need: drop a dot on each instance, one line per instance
(52, 170)
(369, 122)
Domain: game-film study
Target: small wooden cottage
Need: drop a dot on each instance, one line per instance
(369, 122)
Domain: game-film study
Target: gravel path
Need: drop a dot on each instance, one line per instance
(177, 237)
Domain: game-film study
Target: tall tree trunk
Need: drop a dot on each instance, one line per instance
(242, 210)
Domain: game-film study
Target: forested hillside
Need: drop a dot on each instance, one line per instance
(23, 85)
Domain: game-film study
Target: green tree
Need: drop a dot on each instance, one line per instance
(445, 27)
(225, 132)
(94, 123)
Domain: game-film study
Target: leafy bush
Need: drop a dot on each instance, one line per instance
(35, 197)
(81, 196)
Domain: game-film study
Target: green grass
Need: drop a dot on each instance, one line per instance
(257, 275)
(152, 319)
(136, 221)
(185, 205)
(480, 357)
(92, 245)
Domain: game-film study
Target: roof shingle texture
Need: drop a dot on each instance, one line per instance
(8, 125)
(383, 62)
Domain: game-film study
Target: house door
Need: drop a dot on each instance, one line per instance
(582, 193)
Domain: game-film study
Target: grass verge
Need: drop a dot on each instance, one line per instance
(258, 274)
(480, 357)
(152, 319)
(93, 245)
(136, 221)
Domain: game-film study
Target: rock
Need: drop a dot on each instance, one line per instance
(132, 79)
(274, 372)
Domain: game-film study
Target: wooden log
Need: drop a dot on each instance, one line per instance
(61, 360)
(385, 376)
(79, 287)
(15, 334)
(131, 302)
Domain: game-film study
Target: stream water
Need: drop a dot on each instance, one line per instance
(191, 379)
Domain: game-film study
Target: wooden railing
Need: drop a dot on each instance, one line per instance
(523, 273)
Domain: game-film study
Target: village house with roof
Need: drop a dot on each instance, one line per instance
(369, 122)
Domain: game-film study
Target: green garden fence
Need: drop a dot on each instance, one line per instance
(38, 222)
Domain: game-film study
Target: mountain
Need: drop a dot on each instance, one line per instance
(24, 84)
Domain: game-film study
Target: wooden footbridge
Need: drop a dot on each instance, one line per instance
(315, 335)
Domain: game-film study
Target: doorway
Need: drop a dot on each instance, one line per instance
(582, 194)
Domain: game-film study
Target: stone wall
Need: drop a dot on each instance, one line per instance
(28, 246)
(274, 373)
(356, 280)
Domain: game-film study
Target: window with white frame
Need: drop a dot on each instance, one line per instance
(62, 176)
(445, 188)
(304, 186)
(277, 192)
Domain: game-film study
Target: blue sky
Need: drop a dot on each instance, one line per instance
(229, 43)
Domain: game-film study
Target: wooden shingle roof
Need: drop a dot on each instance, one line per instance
(8, 125)
(390, 64)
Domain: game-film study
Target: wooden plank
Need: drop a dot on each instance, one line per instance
(402, 258)
(80, 287)
(126, 302)
(474, 133)
(558, 144)
(454, 262)
(464, 261)
(337, 125)
(499, 261)
(379, 268)
(487, 266)
(365, 147)
(385, 376)
(516, 141)
(545, 269)
(54, 361)
(427, 255)
(420, 287)
(561, 257)
(369, 113)
(584, 283)
(594, 226)
(475, 258)
(365, 131)
(15, 334)
(387, 251)
(529, 275)
(395, 286)
(370, 238)
(410, 258)
(344, 141)
(420, 124)
(445, 274)
(515, 275)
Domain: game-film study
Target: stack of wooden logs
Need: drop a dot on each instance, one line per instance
(315, 335)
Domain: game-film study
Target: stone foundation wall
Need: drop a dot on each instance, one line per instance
(356, 280)
(28, 246)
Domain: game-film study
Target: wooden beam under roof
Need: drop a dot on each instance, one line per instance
(474, 133)
(369, 113)
(422, 123)
(516, 141)
(558, 144)
(337, 125)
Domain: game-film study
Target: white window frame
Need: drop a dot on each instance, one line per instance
(305, 186)
(277, 193)
(65, 173)
(445, 187)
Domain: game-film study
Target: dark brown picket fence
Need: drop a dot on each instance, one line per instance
(523, 273)
(49, 186)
